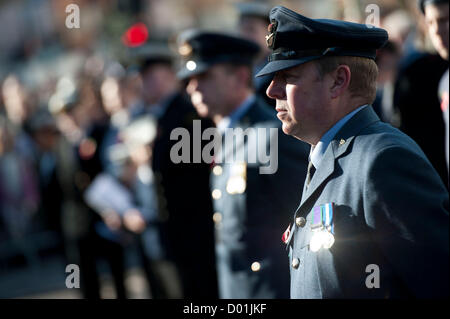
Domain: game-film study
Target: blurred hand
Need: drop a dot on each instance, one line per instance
(134, 221)
(112, 220)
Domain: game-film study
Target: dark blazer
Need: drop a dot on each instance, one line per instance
(251, 221)
(185, 205)
(391, 210)
(416, 99)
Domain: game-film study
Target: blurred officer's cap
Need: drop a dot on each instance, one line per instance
(296, 39)
(152, 52)
(201, 50)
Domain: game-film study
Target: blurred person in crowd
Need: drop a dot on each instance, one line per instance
(387, 61)
(252, 24)
(129, 201)
(78, 105)
(400, 26)
(46, 137)
(437, 20)
(185, 208)
(250, 207)
(19, 193)
(17, 109)
(417, 102)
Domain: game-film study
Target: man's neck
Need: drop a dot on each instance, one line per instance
(345, 110)
(217, 118)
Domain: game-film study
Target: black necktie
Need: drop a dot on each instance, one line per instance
(310, 174)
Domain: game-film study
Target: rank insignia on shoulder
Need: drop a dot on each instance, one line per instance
(286, 234)
(322, 227)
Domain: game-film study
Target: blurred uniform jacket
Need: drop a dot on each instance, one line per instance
(391, 210)
(416, 98)
(185, 207)
(251, 209)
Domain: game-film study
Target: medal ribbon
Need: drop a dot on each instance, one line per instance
(327, 216)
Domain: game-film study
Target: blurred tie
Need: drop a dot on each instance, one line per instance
(310, 174)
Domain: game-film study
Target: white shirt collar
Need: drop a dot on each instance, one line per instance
(317, 151)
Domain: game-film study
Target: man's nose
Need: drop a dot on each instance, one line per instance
(275, 91)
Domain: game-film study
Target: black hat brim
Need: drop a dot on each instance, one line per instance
(201, 67)
(279, 65)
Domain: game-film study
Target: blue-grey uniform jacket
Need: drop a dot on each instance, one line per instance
(391, 220)
(251, 210)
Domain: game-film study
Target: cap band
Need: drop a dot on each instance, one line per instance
(293, 55)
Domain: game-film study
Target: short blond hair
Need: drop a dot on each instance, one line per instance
(364, 73)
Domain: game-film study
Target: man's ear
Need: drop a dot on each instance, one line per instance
(341, 80)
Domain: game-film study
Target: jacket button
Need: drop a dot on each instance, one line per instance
(217, 217)
(295, 263)
(216, 194)
(217, 170)
(300, 221)
(256, 266)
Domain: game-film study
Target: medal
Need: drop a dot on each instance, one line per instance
(322, 227)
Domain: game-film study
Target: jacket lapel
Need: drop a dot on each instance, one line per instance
(337, 148)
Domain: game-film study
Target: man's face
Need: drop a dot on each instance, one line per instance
(437, 19)
(300, 101)
(210, 90)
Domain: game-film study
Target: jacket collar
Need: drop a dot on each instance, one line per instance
(337, 148)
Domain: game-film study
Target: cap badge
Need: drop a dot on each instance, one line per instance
(270, 38)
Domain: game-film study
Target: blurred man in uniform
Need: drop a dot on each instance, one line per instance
(437, 19)
(249, 205)
(253, 21)
(415, 93)
(373, 218)
(185, 206)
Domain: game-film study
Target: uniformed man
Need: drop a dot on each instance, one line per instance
(436, 14)
(373, 218)
(249, 205)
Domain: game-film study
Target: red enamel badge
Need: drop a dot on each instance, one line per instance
(286, 234)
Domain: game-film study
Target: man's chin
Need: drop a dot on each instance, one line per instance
(289, 130)
(286, 129)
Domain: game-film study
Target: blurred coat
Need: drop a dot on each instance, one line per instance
(185, 208)
(417, 100)
(251, 258)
